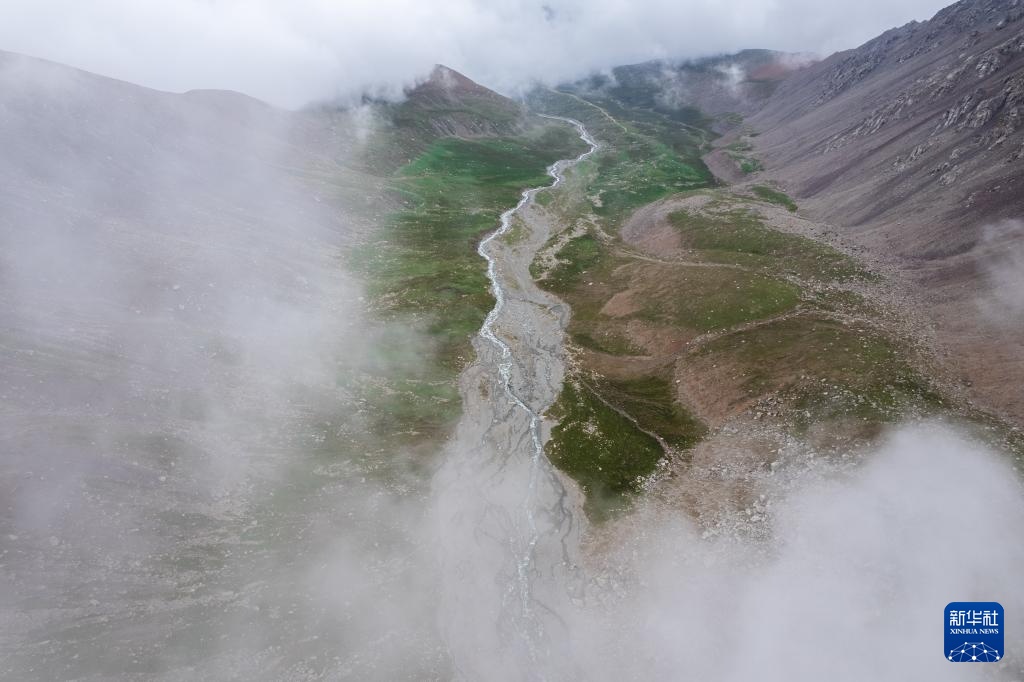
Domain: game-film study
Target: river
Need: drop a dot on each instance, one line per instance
(506, 527)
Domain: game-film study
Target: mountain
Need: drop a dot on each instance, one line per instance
(457, 106)
(172, 319)
(911, 147)
(714, 90)
(914, 144)
(445, 104)
(927, 120)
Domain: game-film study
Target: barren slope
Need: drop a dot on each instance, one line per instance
(913, 143)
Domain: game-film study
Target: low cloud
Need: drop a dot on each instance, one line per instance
(185, 465)
(290, 53)
(177, 333)
(847, 581)
(1003, 273)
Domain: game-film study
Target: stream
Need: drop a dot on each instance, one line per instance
(505, 523)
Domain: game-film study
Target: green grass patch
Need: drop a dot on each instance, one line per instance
(774, 196)
(603, 341)
(576, 257)
(608, 453)
(740, 237)
(826, 370)
(410, 410)
(841, 300)
(706, 299)
(635, 176)
(749, 164)
(697, 298)
(422, 267)
(602, 450)
(651, 402)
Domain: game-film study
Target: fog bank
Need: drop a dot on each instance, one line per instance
(846, 580)
(188, 488)
(291, 53)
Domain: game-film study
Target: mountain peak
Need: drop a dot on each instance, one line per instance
(446, 75)
(444, 79)
(450, 104)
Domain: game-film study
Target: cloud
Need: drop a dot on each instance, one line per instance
(177, 336)
(847, 581)
(184, 458)
(290, 53)
(1002, 300)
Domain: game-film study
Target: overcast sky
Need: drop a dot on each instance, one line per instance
(292, 51)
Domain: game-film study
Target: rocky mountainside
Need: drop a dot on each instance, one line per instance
(457, 106)
(446, 104)
(913, 143)
(918, 132)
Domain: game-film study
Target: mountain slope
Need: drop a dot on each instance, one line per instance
(449, 104)
(715, 91)
(911, 147)
(172, 332)
(718, 310)
(926, 120)
(914, 143)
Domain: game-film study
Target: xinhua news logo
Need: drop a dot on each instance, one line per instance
(974, 632)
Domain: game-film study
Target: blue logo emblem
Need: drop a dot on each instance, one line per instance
(974, 632)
